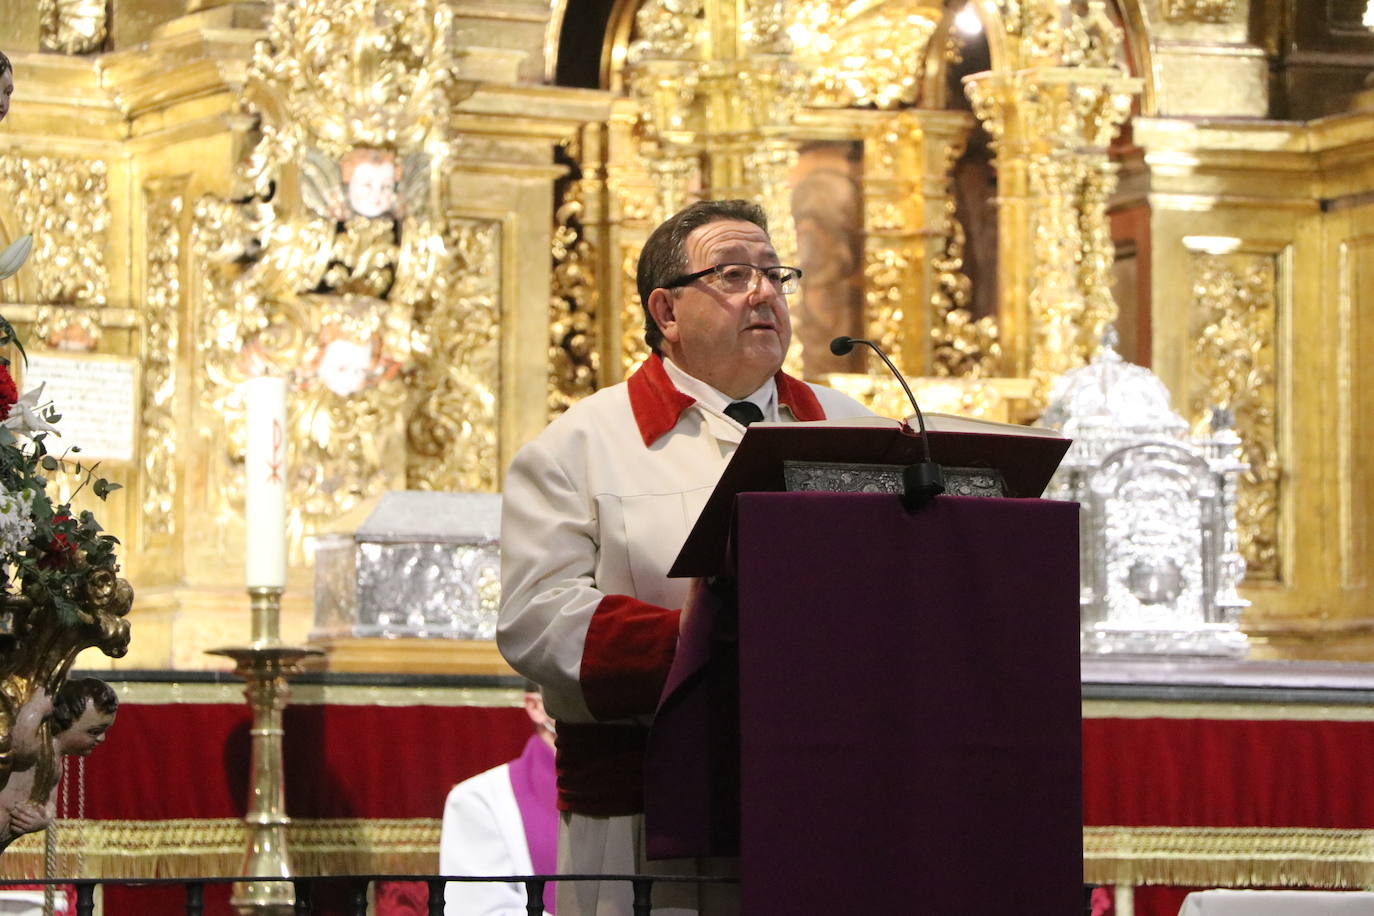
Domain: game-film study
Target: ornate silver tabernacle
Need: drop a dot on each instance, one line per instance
(423, 564)
(1160, 566)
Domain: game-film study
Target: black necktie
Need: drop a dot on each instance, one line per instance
(744, 412)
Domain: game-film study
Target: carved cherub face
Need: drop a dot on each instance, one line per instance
(370, 180)
(6, 90)
(86, 734)
(345, 366)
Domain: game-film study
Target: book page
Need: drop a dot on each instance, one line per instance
(935, 422)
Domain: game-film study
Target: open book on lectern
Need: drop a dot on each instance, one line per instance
(1026, 457)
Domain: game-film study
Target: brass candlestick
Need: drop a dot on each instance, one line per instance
(265, 666)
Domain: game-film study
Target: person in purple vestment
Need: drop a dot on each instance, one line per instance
(503, 822)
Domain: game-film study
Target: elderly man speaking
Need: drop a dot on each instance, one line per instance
(598, 505)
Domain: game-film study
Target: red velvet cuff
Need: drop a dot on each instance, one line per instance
(601, 769)
(625, 660)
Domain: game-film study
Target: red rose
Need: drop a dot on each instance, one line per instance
(9, 394)
(60, 551)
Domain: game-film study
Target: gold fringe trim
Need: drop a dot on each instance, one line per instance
(1247, 712)
(215, 847)
(1229, 857)
(1177, 856)
(231, 693)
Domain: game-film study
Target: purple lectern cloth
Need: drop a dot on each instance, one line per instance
(691, 776)
(534, 780)
(909, 692)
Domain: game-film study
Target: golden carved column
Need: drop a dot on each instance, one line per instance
(944, 287)
(1052, 103)
(893, 219)
(719, 90)
(634, 200)
(576, 302)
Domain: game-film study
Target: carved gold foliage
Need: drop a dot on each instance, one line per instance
(763, 27)
(381, 316)
(72, 26)
(633, 350)
(1098, 252)
(668, 30)
(989, 100)
(1235, 330)
(666, 91)
(674, 172)
(767, 168)
(573, 357)
(763, 94)
(1060, 33)
(360, 72)
(68, 327)
(1058, 303)
(888, 274)
(452, 429)
(864, 54)
(346, 402)
(65, 204)
(1199, 10)
(891, 220)
(165, 203)
(631, 193)
(960, 344)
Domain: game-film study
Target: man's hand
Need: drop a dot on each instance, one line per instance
(27, 818)
(694, 587)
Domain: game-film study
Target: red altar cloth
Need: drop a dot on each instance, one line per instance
(191, 760)
(1295, 766)
(184, 760)
(1160, 772)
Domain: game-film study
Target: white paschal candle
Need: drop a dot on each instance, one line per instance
(265, 475)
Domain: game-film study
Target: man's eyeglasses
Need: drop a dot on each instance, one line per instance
(736, 278)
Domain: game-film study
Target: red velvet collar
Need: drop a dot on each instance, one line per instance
(657, 403)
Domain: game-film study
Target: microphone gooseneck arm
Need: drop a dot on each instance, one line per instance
(841, 346)
(920, 482)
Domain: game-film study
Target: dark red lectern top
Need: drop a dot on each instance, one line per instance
(1027, 462)
(908, 709)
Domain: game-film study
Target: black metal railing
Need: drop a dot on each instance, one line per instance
(358, 885)
(642, 887)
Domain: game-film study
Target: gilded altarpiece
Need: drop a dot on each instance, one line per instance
(165, 231)
(726, 95)
(1059, 89)
(332, 266)
(66, 299)
(1235, 329)
(404, 257)
(1057, 94)
(1355, 404)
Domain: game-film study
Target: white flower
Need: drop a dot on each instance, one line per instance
(16, 521)
(26, 418)
(14, 256)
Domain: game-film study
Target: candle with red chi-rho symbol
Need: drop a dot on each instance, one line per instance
(265, 482)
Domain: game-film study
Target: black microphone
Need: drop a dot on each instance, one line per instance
(922, 482)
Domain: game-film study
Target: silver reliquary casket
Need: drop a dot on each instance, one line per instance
(1158, 551)
(423, 564)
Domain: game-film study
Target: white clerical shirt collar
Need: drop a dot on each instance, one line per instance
(765, 397)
